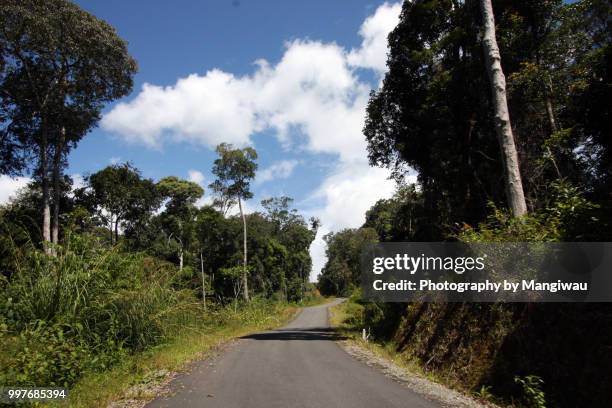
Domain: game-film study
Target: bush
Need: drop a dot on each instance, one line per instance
(532, 389)
(567, 213)
(84, 308)
(49, 354)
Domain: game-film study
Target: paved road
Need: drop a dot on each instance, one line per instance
(297, 366)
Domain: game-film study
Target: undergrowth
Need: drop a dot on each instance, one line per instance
(91, 310)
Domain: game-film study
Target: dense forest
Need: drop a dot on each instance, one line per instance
(436, 114)
(499, 109)
(94, 272)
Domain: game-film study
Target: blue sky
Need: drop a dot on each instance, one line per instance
(286, 77)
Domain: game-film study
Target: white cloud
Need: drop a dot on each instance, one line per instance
(312, 90)
(312, 98)
(349, 192)
(345, 196)
(9, 186)
(374, 31)
(209, 109)
(114, 160)
(196, 176)
(204, 200)
(77, 181)
(279, 170)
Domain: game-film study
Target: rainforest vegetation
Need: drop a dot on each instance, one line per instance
(118, 264)
(499, 110)
(436, 116)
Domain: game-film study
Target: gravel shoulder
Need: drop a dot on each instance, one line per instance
(431, 390)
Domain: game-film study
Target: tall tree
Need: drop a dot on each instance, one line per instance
(503, 127)
(121, 197)
(180, 213)
(57, 60)
(234, 169)
(341, 273)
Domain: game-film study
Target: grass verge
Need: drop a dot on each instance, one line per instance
(101, 388)
(346, 318)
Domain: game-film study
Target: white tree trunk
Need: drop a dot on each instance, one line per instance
(44, 176)
(245, 283)
(181, 258)
(550, 112)
(514, 185)
(203, 280)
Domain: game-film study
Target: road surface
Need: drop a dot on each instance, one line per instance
(298, 365)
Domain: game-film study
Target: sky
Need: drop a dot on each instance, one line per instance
(289, 78)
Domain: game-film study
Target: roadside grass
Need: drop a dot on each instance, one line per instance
(343, 318)
(346, 318)
(99, 389)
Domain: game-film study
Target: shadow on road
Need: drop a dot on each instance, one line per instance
(311, 333)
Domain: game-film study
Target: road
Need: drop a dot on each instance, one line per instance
(298, 365)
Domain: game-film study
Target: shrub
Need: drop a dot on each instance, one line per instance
(532, 389)
(84, 308)
(558, 220)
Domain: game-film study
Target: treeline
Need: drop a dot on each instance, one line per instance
(436, 114)
(137, 264)
(92, 273)
(119, 208)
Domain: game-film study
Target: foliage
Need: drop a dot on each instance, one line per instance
(84, 308)
(433, 113)
(234, 169)
(566, 213)
(119, 196)
(532, 388)
(401, 217)
(341, 273)
(59, 66)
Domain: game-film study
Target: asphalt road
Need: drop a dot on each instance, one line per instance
(299, 365)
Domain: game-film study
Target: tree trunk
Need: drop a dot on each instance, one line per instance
(117, 229)
(203, 280)
(44, 178)
(57, 171)
(181, 259)
(552, 123)
(245, 282)
(110, 228)
(503, 128)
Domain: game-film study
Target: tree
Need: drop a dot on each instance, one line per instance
(435, 113)
(234, 169)
(180, 213)
(121, 197)
(399, 218)
(215, 238)
(503, 127)
(60, 65)
(342, 272)
(295, 235)
(432, 115)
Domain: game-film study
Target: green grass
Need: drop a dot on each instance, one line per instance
(100, 388)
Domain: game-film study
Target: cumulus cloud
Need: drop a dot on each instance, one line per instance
(312, 99)
(312, 91)
(345, 196)
(196, 176)
(77, 181)
(9, 186)
(374, 31)
(279, 170)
